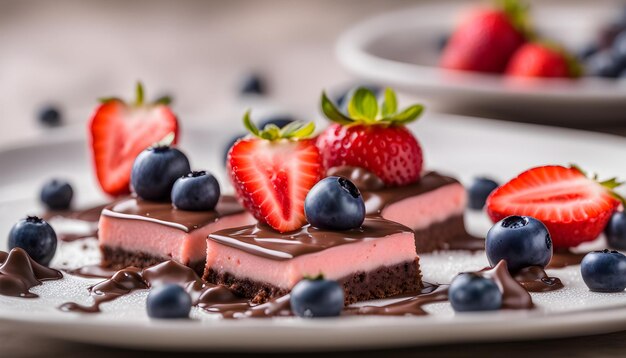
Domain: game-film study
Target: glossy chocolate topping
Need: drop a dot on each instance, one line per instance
(377, 197)
(93, 271)
(535, 279)
(261, 240)
(514, 295)
(165, 214)
(19, 273)
(411, 306)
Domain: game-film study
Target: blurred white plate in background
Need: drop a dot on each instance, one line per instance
(399, 49)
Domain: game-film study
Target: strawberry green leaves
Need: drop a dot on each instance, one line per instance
(292, 131)
(139, 98)
(364, 108)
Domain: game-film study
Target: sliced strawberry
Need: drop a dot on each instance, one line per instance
(120, 131)
(273, 174)
(373, 137)
(574, 208)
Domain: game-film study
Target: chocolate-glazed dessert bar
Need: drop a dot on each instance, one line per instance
(433, 207)
(375, 261)
(135, 232)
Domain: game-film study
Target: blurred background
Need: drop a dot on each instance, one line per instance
(68, 53)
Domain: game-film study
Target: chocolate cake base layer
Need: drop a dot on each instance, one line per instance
(118, 258)
(361, 286)
(449, 234)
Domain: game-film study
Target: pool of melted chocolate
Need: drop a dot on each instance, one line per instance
(220, 300)
(19, 273)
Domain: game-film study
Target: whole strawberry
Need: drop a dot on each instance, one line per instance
(487, 38)
(273, 170)
(373, 137)
(574, 208)
(119, 131)
(541, 59)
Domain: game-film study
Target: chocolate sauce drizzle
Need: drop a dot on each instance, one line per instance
(220, 300)
(88, 216)
(93, 271)
(535, 279)
(19, 273)
(564, 258)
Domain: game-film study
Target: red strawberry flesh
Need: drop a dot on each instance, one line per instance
(272, 179)
(573, 207)
(120, 132)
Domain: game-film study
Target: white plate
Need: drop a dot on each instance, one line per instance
(399, 49)
(461, 146)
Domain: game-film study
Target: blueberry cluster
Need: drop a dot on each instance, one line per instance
(163, 173)
(521, 241)
(606, 56)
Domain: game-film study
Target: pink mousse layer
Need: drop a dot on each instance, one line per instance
(162, 240)
(334, 263)
(419, 212)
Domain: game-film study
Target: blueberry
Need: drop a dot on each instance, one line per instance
(471, 292)
(521, 241)
(196, 191)
(619, 49)
(587, 51)
(50, 116)
(252, 84)
(155, 170)
(343, 99)
(442, 41)
(317, 298)
(615, 231)
(277, 120)
(604, 271)
(478, 191)
(57, 194)
(334, 203)
(169, 301)
(603, 64)
(36, 237)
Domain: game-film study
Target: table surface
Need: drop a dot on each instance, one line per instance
(70, 52)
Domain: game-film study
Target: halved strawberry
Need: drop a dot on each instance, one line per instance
(373, 137)
(574, 208)
(273, 172)
(120, 131)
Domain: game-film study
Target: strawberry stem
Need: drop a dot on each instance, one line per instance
(139, 94)
(517, 12)
(293, 131)
(363, 108)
